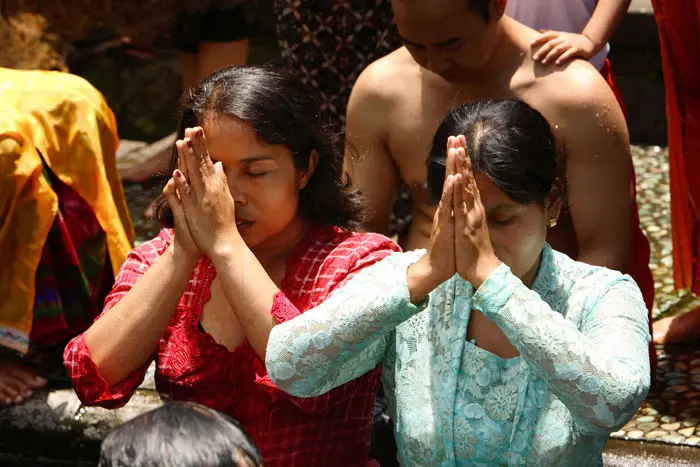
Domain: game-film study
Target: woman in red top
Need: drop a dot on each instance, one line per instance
(258, 239)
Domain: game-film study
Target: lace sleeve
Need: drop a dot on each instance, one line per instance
(347, 335)
(599, 371)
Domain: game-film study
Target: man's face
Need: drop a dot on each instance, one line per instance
(446, 36)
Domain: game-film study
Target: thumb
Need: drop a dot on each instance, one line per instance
(174, 201)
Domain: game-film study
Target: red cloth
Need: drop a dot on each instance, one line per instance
(679, 33)
(329, 430)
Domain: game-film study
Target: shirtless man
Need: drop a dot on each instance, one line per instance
(457, 51)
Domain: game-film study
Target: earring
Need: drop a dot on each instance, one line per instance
(552, 223)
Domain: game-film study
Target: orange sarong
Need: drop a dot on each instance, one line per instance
(679, 32)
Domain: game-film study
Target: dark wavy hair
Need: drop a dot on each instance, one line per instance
(280, 110)
(508, 141)
(180, 434)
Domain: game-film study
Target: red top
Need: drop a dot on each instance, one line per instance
(332, 429)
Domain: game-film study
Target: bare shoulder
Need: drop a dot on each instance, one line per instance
(579, 86)
(385, 80)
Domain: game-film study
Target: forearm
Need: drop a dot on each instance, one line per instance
(604, 22)
(346, 335)
(250, 292)
(124, 338)
(602, 365)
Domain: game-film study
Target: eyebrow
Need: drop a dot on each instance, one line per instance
(445, 43)
(504, 207)
(250, 160)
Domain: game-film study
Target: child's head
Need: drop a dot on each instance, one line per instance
(281, 158)
(179, 434)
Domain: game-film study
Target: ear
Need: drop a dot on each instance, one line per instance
(554, 202)
(498, 9)
(305, 176)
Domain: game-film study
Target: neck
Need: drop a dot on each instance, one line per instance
(506, 57)
(529, 277)
(275, 250)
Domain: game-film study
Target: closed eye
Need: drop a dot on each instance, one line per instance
(453, 47)
(257, 174)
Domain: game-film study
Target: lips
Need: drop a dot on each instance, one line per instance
(243, 224)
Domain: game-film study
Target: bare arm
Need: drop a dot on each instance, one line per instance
(593, 131)
(249, 291)
(126, 336)
(605, 20)
(367, 160)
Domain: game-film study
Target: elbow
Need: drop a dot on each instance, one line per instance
(284, 377)
(299, 388)
(617, 411)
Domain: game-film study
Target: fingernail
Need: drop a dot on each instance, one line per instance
(40, 380)
(200, 132)
(189, 142)
(178, 174)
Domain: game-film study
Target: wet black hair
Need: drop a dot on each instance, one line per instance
(281, 111)
(179, 434)
(508, 141)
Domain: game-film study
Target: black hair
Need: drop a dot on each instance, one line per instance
(280, 110)
(508, 141)
(482, 8)
(179, 434)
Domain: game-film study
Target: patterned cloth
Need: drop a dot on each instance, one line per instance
(582, 373)
(328, 43)
(74, 274)
(329, 430)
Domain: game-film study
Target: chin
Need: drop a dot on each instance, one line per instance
(454, 77)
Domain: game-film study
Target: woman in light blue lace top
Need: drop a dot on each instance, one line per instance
(496, 350)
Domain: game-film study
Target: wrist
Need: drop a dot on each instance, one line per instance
(422, 278)
(595, 45)
(228, 251)
(181, 258)
(483, 270)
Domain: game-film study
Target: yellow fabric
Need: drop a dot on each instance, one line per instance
(66, 120)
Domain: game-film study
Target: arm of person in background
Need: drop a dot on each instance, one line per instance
(560, 47)
(367, 160)
(589, 123)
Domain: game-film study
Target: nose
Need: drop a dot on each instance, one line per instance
(238, 194)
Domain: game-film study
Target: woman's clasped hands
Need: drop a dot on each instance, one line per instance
(459, 242)
(199, 195)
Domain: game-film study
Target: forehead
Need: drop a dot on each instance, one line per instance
(231, 140)
(491, 195)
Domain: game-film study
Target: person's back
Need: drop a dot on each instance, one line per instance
(65, 229)
(180, 434)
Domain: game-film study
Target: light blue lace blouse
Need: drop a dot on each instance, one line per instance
(583, 370)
